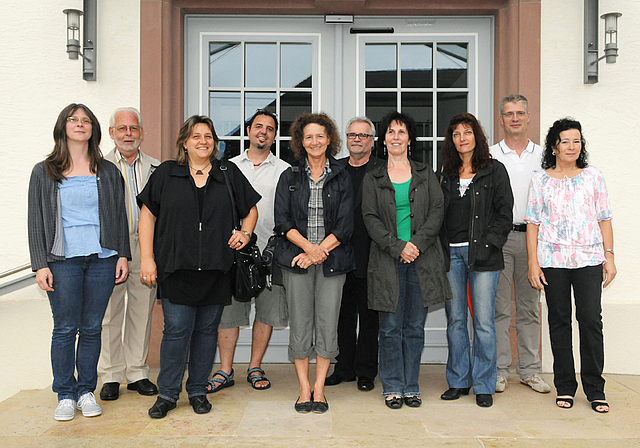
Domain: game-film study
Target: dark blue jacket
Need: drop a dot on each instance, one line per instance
(292, 201)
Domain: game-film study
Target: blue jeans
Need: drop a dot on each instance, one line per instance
(464, 367)
(82, 287)
(190, 333)
(402, 337)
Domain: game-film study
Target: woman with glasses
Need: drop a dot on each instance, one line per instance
(570, 246)
(79, 247)
(403, 208)
(314, 211)
(478, 219)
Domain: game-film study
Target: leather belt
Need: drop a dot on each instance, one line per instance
(519, 227)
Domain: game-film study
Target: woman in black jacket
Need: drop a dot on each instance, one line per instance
(478, 217)
(314, 211)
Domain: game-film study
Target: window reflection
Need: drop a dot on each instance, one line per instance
(380, 65)
(450, 104)
(452, 62)
(420, 106)
(296, 64)
(422, 152)
(416, 65)
(225, 64)
(261, 64)
(258, 100)
(292, 105)
(224, 111)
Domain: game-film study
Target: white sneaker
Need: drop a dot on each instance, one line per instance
(87, 404)
(536, 383)
(66, 410)
(501, 383)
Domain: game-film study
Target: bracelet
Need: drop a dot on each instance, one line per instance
(609, 250)
(246, 233)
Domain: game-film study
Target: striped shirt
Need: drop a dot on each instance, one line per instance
(133, 180)
(315, 220)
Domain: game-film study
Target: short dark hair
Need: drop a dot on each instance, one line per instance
(398, 117)
(322, 119)
(59, 160)
(185, 132)
(263, 112)
(451, 161)
(514, 98)
(553, 137)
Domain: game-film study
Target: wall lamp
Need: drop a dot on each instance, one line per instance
(591, 22)
(89, 31)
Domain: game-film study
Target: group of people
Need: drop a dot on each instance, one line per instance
(366, 246)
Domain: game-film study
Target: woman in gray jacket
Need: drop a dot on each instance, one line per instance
(403, 209)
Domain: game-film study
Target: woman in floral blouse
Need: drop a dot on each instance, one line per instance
(570, 244)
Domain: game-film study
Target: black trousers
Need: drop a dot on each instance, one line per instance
(587, 291)
(358, 351)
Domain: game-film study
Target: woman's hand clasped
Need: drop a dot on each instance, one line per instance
(409, 253)
(238, 240)
(148, 271)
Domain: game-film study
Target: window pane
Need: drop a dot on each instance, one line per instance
(229, 148)
(439, 155)
(416, 65)
(380, 65)
(286, 153)
(292, 105)
(261, 64)
(420, 106)
(224, 110)
(422, 152)
(258, 100)
(450, 104)
(378, 104)
(452, 65)
(225, 64)
(295, 65)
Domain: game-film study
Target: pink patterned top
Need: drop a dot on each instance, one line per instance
(568, 212)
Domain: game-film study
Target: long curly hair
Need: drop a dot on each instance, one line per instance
(451, 161)
(322, 119)
(59, 160)
(185, 132)
(553, 138)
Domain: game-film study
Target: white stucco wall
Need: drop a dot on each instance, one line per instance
(608, 112)
(38, 80)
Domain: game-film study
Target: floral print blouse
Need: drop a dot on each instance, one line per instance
(568, 211)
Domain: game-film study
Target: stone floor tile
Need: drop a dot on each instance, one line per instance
(466, 419)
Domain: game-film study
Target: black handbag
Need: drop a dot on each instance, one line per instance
(248, 274)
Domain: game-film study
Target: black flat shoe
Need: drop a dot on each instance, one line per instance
(365, 384)
(143, 386)
(200, 404)
(484, 400)
(161, 407)
(453, 393)
(413, 402)
(110, 391)
(601, 407)
(335, 378)
(320, 407)
(304, 407)
(393, 402)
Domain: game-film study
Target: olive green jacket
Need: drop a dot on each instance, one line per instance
(427, 214)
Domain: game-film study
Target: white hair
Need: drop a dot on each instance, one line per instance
(362, 120)
(133, 110)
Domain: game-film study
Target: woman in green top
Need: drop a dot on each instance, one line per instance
(403, 209)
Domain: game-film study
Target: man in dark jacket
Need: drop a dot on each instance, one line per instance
(358, 352)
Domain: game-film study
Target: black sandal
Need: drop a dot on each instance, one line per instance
(413, 402)
(226, 381)
(567, 399)
(596, 404)
(253, 379)
(393, 402)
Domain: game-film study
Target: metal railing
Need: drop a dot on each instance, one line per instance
(15, 270)
(16, 283)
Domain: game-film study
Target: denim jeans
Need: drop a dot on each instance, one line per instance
(190, 333)
(587, 293)
(402, 337)
(82, 287)
(466, 368)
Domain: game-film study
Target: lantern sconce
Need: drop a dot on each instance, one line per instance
(89, 31)
(591, 22)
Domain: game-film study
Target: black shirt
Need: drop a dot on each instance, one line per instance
(458, 214)
(360, 239)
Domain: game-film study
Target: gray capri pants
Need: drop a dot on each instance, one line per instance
(271, 309)
(314, 302)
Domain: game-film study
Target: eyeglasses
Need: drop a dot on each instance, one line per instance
(76, 119)
(518, 114)
(353, 135)
(123, 128)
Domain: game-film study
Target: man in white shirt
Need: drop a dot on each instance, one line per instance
(263, 170)
(125, 347)
(522, 158)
